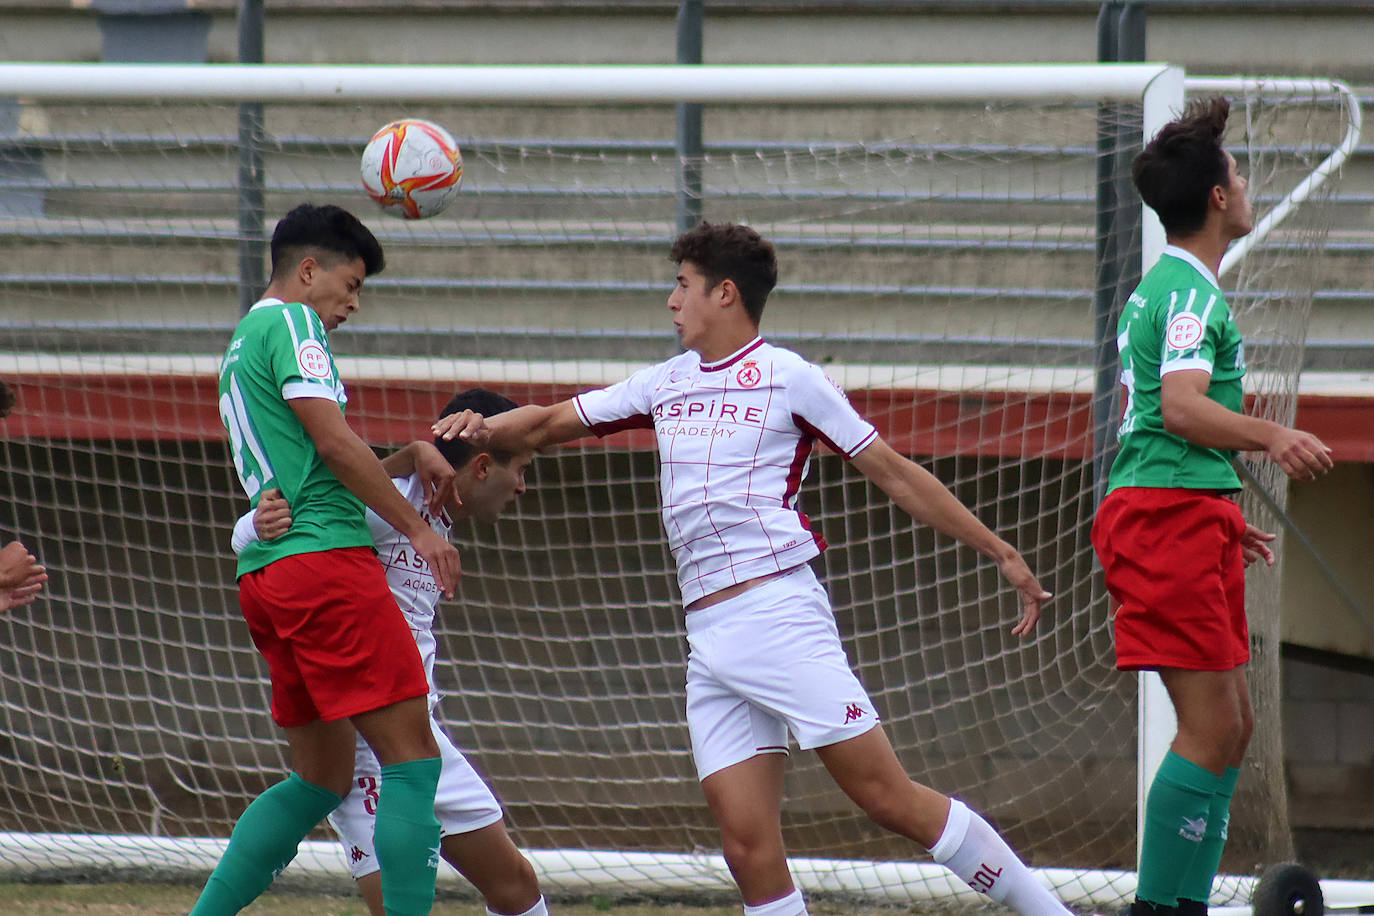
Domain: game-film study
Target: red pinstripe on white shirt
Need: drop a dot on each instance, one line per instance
(735, 439)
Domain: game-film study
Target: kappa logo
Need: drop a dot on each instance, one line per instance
(312, 359)
(433, 857)
(853, 712)
(356, 854)
(1194, 829)
(749, 374)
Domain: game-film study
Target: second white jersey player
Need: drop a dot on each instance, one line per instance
(463, 802)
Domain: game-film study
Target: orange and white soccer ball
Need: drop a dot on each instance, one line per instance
(412, 168)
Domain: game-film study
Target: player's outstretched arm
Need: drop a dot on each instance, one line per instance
(921, 495)
(524, 429)
(21, 576)
(359, 470)
(1188, 412)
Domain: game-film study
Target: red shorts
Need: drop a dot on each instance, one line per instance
(334, 638)
(1173, 562)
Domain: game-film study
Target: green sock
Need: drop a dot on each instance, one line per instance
(263, 842)
(1176, 813)
(1197, 881)
(407, 836)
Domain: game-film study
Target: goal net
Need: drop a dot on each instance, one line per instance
(945, 254)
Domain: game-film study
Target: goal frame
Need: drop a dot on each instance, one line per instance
(1158, 88)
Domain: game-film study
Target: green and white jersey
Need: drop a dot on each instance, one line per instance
(1176, 319)
(279, 352)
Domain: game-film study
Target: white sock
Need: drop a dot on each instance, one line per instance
(791, 905)
(971, 849)
(540, 908)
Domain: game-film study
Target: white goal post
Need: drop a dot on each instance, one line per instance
(1004, 371)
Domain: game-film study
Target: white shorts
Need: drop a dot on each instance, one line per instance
(463, 802)
(767, 662)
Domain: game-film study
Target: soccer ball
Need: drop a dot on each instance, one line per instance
(412, 168)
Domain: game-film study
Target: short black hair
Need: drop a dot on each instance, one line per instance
(309, 229)
(729, 251)
(1179, 167)
(479, 400)
(7, 399)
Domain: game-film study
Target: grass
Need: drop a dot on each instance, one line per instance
(125, 899)
(149, 899)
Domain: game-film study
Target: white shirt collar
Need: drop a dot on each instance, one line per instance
(722, 363)
(264, 303)
(1175, 251)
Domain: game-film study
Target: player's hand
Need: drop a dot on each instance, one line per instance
(1301, 455)
(442, 558)
(1254, 545)
(21, 576)
(1033, 595)
(466, 425)
(436, 476)
(272, 517)
(18, 567)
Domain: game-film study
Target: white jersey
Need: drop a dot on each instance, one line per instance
(406, 571)
(735, 440)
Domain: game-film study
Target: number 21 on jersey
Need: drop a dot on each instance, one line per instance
(249, 458)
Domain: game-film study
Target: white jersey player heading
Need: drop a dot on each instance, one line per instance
(735, 437)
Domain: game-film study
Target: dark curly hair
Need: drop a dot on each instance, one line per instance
(1178, 168)
(728, 251)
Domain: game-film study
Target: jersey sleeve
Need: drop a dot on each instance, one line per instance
(1193, 325)
(624, 405)
(820, 407)
(244, 533)
(301, 364)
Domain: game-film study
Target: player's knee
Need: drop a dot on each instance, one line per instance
(1244, 731)
(747, 852)
(1234, 728)
(336, 779)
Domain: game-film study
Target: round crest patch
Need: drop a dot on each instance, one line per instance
(749, 374)
(1184, 332)
(312, 359)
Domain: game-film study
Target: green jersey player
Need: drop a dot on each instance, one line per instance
(1172, 540)
(316, 600)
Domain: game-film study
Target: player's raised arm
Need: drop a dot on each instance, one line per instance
(359, 470)
(922, 496)
(525, 429)
(436, 473)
